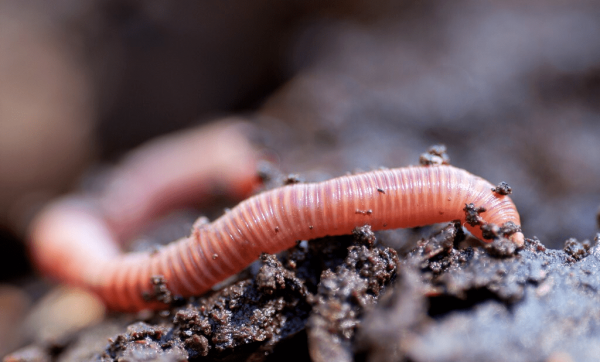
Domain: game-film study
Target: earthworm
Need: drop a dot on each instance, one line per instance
(273, 221)
(180, 169)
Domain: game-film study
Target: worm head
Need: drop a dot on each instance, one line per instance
(518, 238)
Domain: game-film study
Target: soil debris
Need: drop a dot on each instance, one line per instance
(534, 244)
(398, 314)
(439, 243)
(472, 214)
(576, 250)
(292, 179)
(447, 299)
(144, 342)
(501, 247)
(273, 276)
(435, 155)
(160, 292)
(493, 231)
(364, 234)
(245, 320)
(475, 296)
(344, 295)
(502, 188)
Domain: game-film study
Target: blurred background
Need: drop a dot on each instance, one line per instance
(512, 88)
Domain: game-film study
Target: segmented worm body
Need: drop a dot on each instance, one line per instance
(274, 220)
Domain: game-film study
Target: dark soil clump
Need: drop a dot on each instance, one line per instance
(344, 295)
(248, 319)
(477, 297)
(333, 299)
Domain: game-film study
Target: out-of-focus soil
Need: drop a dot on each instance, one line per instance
(512, 90)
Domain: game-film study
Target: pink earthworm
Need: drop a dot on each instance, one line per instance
(271, 222)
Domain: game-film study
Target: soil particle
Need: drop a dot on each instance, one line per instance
(490, 231)
(345, 294)
(435, 155)
(241, 315)
(271, 176)
(267, 172)
(472, 214)
(576, 250)
(534, 245)
(439, 243)
(501, 248)
(509, 228)
(493, 231)
(292, 179)
(160, 291)
(364, 234)
(502, 189)
(273, 276)
(436, 254)
(144, 342)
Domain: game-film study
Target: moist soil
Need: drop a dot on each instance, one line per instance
(354, 298)
(377, 89)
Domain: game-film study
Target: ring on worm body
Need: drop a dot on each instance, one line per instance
(268, 222)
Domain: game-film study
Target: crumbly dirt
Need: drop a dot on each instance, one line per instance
(248, 319)
(503, 188)
(512, 90)
(435, 155)
(344, 295)
(349, 298)
(539, 303)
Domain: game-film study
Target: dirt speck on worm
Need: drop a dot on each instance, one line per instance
(493, 231)
(292, 179)
(472, 214)
(502, 188)
(160, 292)
(435, 155)
(364, 234)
